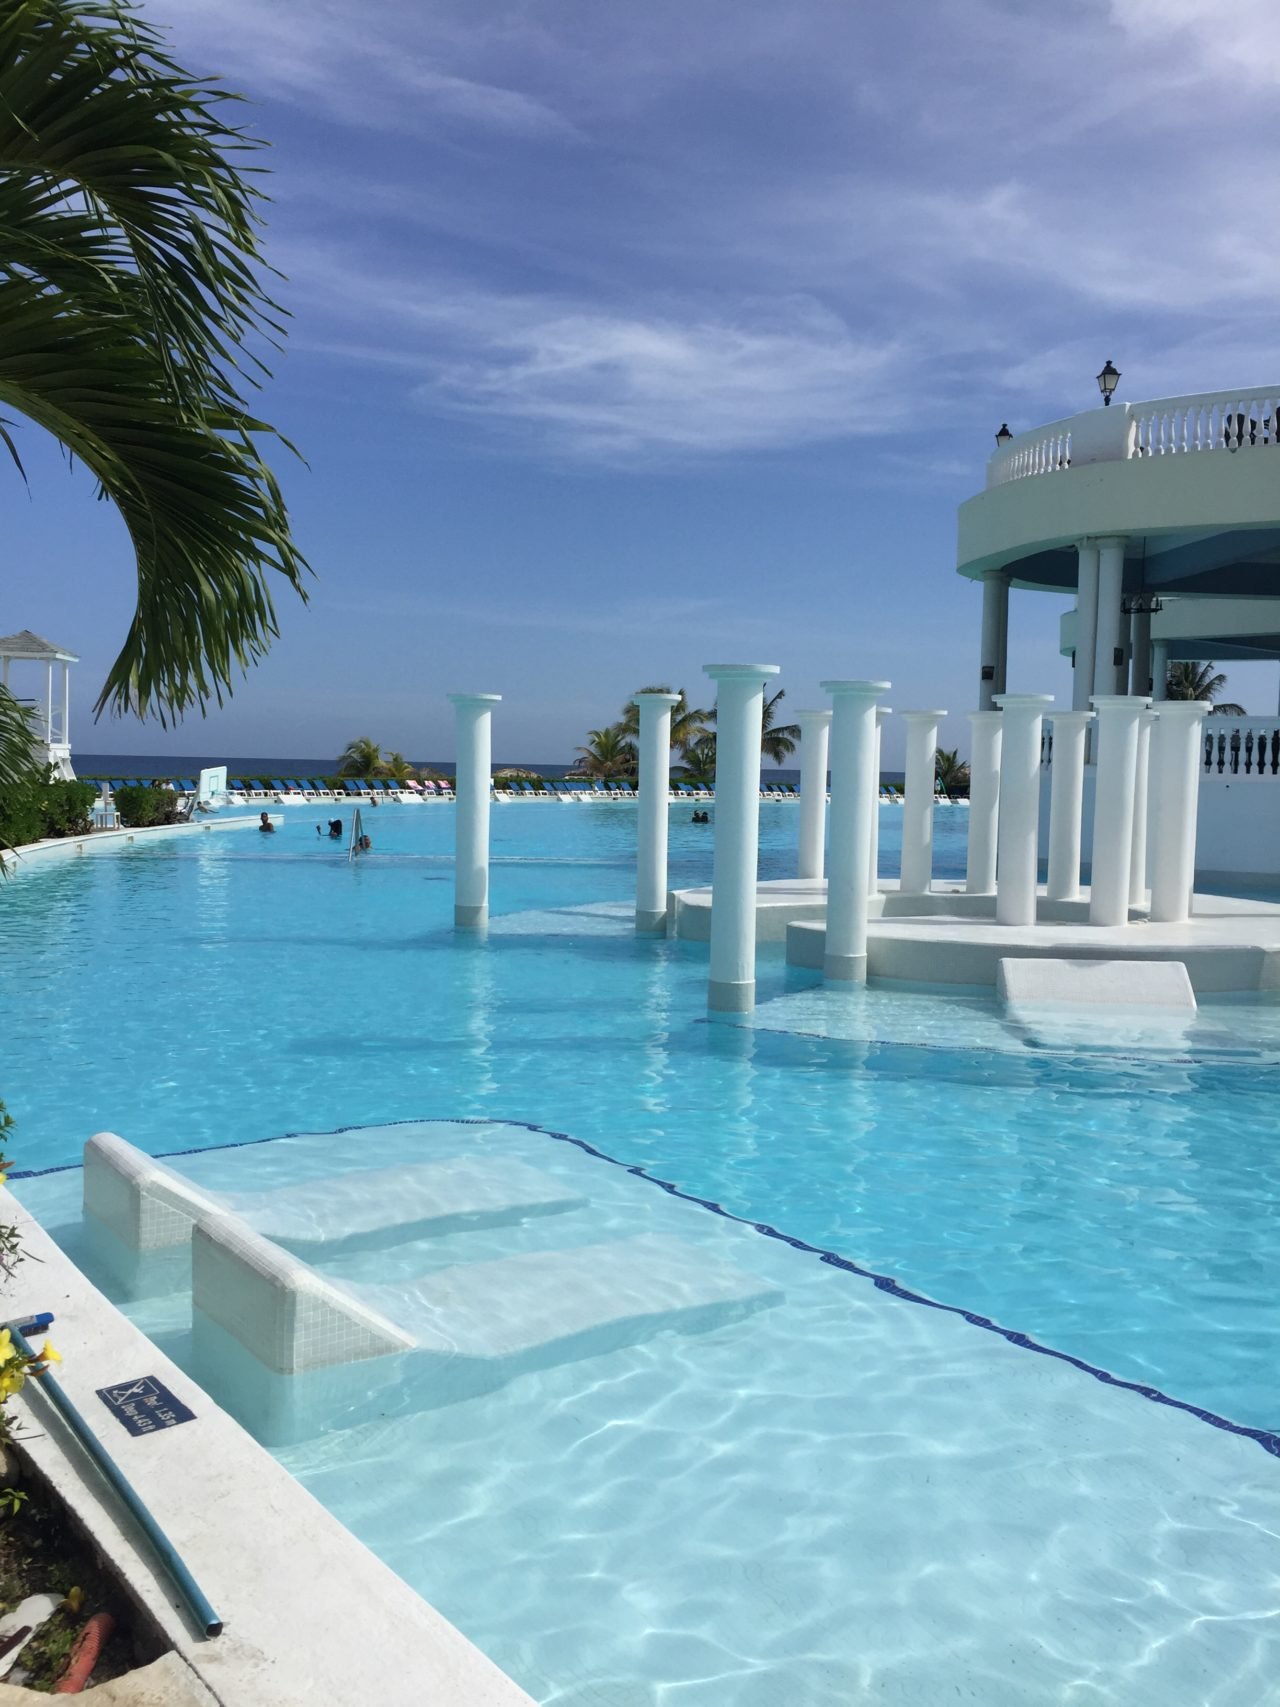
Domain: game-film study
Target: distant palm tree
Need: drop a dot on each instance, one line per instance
(699, 763)
(950, 772)
(779, 740)
(608, 753)
(361, 758)
(1200, 681)
(688, 722)
(397, 768)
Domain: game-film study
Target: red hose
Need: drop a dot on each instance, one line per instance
(84, 1656)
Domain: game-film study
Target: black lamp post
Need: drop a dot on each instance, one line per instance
(1003, 436)
(1108, 379)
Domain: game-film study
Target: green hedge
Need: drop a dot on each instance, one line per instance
(45, 806)
(139, 807)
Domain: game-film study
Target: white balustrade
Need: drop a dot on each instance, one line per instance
(1166, 426)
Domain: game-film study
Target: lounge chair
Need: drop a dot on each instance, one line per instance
(352, 788)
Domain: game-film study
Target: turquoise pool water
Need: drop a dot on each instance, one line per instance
(1121, 1210)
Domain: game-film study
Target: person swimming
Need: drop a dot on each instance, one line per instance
(335, 829)
(265, 825)
(364, 844)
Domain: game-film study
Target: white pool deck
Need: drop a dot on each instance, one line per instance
(949, 937)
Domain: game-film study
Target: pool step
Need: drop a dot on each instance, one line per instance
(470, 1327)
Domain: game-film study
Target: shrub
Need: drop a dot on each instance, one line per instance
(42, 806)
(139, 807)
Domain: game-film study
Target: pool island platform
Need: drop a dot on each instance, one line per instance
(950, 937)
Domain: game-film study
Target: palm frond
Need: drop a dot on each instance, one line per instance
(19, 761)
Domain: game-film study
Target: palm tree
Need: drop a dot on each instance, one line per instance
(361, 758)
(608, 753)
(129, 285)
(397, 768)
(778, 741)
(699, 764)
(1200, 681)
(950, 771)
(688, 723)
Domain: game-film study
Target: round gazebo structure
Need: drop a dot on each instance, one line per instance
(52, 710)
(1162, 517)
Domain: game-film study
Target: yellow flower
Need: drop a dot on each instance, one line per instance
(49, 1353)
(74, 1600)
(10, 1382)
(6, 1346)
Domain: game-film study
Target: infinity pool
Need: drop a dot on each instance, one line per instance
(849, 1495)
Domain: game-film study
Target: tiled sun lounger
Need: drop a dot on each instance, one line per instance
(150, 1207)
(475, 1326)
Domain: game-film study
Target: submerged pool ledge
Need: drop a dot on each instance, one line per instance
(113, 841)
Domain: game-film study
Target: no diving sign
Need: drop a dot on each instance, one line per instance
(145, 1405)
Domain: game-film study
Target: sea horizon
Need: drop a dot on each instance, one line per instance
(148, 765)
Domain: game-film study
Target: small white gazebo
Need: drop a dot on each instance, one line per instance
(53, 718)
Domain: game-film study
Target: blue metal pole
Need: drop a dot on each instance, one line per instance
(187, 1586)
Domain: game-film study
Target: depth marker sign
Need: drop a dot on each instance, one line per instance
(144, 1406)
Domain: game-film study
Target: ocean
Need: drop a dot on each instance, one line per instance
(142, 765)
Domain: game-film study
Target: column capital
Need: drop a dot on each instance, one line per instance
(651, 696)
(922, 716)
(741, 672)
(474, 698)
(808, 719)
(883, 711)
(1105, 539)
(984, 717)
(855, 690)
(1070, 719)
(1184, 709)
(1023, 701)
(1120, 701)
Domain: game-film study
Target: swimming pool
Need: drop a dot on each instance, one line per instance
(847, 1494)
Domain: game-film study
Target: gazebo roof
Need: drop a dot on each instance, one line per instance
(25, 644)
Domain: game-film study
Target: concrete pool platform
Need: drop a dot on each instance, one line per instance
(949, 937)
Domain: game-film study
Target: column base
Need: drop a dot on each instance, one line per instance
(1018, 918)
(979, 888)
(651, 923)
(470, 918)
(724, 997)
(1073, 894)
(845, 968)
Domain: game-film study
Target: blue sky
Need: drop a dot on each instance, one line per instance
(627, 339)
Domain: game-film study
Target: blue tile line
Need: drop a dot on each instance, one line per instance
(1265, 1438)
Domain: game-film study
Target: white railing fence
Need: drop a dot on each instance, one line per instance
(1231, 746)
(1167, 426)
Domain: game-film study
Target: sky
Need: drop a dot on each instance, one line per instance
(628, 339)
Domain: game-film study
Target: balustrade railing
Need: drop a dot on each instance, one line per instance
(1242, 746)
(1167, 426)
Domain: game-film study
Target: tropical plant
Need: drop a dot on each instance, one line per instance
(777, 740)
(397, 768)
(688, 723)
(361, 758)
(129, 286)
(699, 764)
(1200, 681)
(609, 752)
(951, 771)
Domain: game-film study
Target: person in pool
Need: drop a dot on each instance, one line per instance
(265, 824)
(335, 829)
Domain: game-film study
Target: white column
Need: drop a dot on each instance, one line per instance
(66, 703)
(1066, 803)
(1140, 677)
(1086, 623)
(995, 619)
(1141, 797)
(918, 801)
(1117, 761)
(654, 777)
(855, 795)
(1017, 846)
(739, 714)
(1175, 800)
(883, 713)
(474, 765)
(1160, 670)
(984, 800)
(1108, 676)
(815, 740)
(48, 703)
